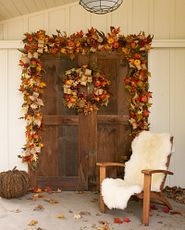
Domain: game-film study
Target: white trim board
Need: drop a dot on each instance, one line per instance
(172, 43)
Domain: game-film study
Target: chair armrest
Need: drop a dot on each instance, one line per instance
(151, 171)
(108, 164)
(103, 166)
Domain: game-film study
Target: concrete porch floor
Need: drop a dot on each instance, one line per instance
(80, 211)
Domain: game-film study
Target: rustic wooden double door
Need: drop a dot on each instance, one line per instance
(73, 142)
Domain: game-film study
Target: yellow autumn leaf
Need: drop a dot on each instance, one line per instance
(36, 195)
(51, 201)
(60, 216)
(38, 207)
(33, 223)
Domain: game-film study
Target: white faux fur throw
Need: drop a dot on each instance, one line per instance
(149, 151)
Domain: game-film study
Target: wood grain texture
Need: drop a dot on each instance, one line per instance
(74, 143)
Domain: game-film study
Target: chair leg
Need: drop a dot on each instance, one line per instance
(102, 177)
(146, 199)
(102, 205)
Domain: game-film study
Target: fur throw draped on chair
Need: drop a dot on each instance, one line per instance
(149, 151)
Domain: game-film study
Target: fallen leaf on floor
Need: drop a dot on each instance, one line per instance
(153, 207)
(102, 221)
(79, 192)
(84, 227)
(77, 216)
(118, 220)
(48, 189)
(35, 197)
(175, 193)
(126, 219)
(94, 200)
(51, 201)
(60, 216)
(39, 195)
(160, 222)
(175, 213)
(33, 223)
(59, 190)
(85, 213)
(166, 209)
(17, 210)
(38, 208)
(104, 227)
(37, 190)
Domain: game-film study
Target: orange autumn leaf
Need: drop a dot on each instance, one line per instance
(37, 190)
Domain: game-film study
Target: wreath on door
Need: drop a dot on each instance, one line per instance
(85, 89)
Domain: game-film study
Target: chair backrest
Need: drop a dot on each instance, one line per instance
(149, 151)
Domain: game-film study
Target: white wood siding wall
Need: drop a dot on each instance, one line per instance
(12, 136)
(167, 83)
(164, 19)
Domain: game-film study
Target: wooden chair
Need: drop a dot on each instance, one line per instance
(146, 193)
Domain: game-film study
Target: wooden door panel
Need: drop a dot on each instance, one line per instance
(87, 147)
(107, 143)
(75, 142)
(115, 69)
(113, 126)
(68, 146)
(113, 142)
(60, 158)
(49, 157)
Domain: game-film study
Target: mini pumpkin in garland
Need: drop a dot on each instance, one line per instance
(14, 183)
(85, 89)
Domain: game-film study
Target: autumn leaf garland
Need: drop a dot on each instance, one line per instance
(32, 86)
(136, 81)
(133, 47)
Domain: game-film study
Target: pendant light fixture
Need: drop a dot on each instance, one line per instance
(100, 6)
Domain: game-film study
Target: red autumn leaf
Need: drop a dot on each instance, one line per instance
(126, 219)
(153, 207)
(48, 189)
(175, 213)
(117, 220)
(166, 209)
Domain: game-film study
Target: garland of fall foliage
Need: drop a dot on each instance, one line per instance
(132, 47)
